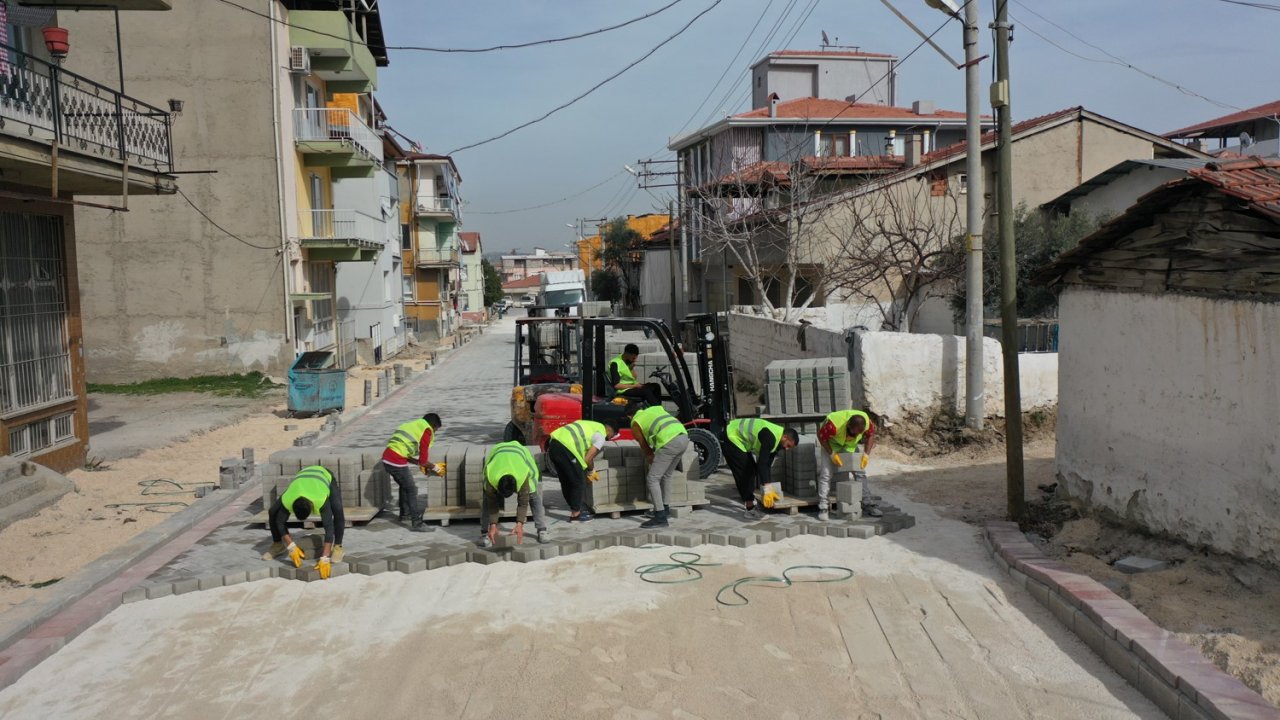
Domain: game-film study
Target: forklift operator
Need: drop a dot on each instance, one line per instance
(623, 380)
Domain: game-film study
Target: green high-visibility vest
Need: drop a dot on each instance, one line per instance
(313, 483)
(658, 426)
(576, 437)
(511, 458)
(745, 433)
(625, 376)
(842, 442)
(407, 438)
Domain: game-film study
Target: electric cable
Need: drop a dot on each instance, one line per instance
(566, 198)
(229, 234)
(727, 68)
(593, 88)
(494, 48)
(1259, 5)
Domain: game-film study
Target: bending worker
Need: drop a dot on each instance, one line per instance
(622, 378)
(312, 489)
(509, 468)
(411, 442)
(841, 433)
(753, 435)
(663, 439)
(573, 449)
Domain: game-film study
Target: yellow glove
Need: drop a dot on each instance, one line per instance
(440, 469)
(865, 459)
(770, 497)
(593, 476)
(337, 553)
(296, 555)
(323, 566)
(835, 460)
(274, 551)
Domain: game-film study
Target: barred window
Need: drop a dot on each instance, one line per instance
(35, 361)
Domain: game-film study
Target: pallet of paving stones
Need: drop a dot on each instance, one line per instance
(811, 385)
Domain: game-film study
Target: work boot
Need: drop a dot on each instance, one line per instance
(544, 537)
(419, 526)
(871, 510)
(659, 519)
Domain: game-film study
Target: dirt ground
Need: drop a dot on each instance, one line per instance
(1225, 607)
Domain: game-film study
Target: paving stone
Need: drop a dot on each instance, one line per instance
(1136, 564)
(526, 553)
(837, 531)
(339, 569)
(689, 540)
(456, 557)
(181, 587)
(665, 538)
(569, 547)
(289, 573)
(372, 567)
(678, 512)
(485, 557)
(234, 578)
(862, 532)
(742, 540)
(550, 550)
(819, 530)
(632, 541)
(410, 565)
(159, 590)
(606, 541)
(717, 538)
(308, 573)
(260, 573)
(133, 595)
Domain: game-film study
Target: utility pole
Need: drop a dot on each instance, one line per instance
(1008, 270)
(975, 396)
(671, 252)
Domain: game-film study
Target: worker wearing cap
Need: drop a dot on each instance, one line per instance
(841, 433)
(622, 378)
(572, 449)
(312, 489)
(411, 442)
(663, 439)
(509, 468)
(763, 438)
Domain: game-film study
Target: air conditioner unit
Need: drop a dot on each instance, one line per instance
(299, 61)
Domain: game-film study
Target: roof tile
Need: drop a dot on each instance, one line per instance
(809, 108)
(1266, 110)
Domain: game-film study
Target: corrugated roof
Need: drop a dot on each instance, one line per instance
(1225, 123)
(810, 108)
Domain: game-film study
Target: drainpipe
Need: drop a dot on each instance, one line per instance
(275, 119)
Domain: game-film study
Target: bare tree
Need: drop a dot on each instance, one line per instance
(761, 216)
(895, 242)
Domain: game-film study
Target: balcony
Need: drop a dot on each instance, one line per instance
(100, 135)
(339, 56)
(437, 257)
(439, 207)
(340, 235)
(337, 138)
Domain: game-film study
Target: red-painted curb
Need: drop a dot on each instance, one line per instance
(1171, 673)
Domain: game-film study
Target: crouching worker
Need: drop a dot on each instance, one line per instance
(312, 490)
(663, 440)
(764, 439)
(509, 469)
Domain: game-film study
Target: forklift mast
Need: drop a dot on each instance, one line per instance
(715, 372)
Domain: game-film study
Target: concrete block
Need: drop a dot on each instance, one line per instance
(527, 553)
(717, 538)
(235, 578)
(665, 538)
(1121, 659)
(485, 557)
(1136, 564)
(1063, 610)
(861, 532)
(186, 585)
(550, 550)
(837, 531)
(678, 512)
(819, 530)
(568, 547)
(742, 539)
(410, 565)
(606, 541)
(371, 567)
(689, 540)
(1039, 591)
(1158, 691)
(260, 573)
(1189, 710)
(633, 541)
(159, 590)
(133, 595)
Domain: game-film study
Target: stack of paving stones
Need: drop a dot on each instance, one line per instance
(806, 387)
(622, 487)
(361, 480)
(796, 469)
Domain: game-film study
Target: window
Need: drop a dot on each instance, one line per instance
(320, 279)
(407, 286)
(406, 237)
(41, 434)
(833, 144)
(962, 181)
(35, 361)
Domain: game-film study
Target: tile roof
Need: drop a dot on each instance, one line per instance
(528, 281)
(827, 109)
(829, 53)
(470, 241)
(779, 172)
(1266, 110)
(960, 147)
(1255, 180)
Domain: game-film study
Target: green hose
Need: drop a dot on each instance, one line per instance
(785, 581)
(689, 567)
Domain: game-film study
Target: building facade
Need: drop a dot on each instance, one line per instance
(430, 214)
(517, 265)
(471, 305)
(65, 137)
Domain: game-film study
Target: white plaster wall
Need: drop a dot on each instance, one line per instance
(1169, 415)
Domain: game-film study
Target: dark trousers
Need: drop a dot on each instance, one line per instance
(651, 394)
(408, 491)
(573, 478)
(743, 467)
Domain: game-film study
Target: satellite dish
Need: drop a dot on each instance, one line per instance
(1245, 139)
(825, 41)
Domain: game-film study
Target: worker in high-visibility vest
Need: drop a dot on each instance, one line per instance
(411, 443)
(572, 449)
(313, 489)
(622, 378)
(841, 432)
(763, 438)
(663, 440)
(509, 468)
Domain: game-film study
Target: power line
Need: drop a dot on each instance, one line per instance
(595, 87)
(728, 67)
(1111, 59)
(566, 198)
(1259, 5)
(229, 234)
(764, 43)
(494, 48)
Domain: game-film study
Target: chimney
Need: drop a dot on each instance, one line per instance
(773, 104)
(914, 149)
(923, 107)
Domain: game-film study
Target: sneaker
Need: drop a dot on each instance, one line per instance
(419, 526)
(871, 510)
(823, 516)
(583, 516)
(658, 520)
(485, 542)
(544, 537)
(753, 513)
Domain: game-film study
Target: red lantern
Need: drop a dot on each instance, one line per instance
(56, 40)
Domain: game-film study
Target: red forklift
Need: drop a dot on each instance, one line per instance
(561, 376)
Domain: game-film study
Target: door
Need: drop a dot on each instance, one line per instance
(318, 224)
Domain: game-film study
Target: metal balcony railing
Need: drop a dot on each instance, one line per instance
(429, 205)
(80, 114)
(336, 124)
(341, 225)
(441, 256)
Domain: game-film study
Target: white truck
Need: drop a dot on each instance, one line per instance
(562, 292)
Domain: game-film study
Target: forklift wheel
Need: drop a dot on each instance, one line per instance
(709, 453)
(512, 432)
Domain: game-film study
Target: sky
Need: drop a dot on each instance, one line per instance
(448, 100)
